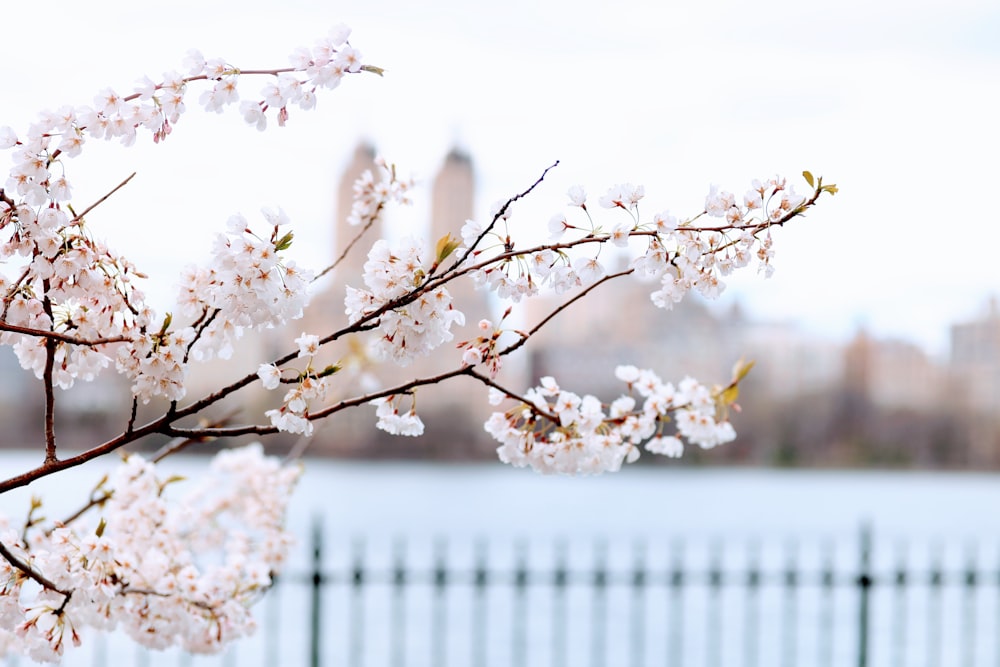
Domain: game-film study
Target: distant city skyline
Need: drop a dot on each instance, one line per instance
(893, 101)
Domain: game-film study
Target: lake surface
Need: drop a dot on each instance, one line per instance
(723, 518)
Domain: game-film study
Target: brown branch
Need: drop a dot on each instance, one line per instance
(50, 401)
(179, 444)
(49, 467)
(50, 398)
(514, 395)
(95, 501)
(259, 429)
(32, 574)
(354, 241)
(103, 199)
(499, 214)
(563, 306)
(16, 285)
(164, 424)
(60, 337)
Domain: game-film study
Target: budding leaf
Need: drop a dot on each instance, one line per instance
(373, 69)
(731, 393)
(166, 324)
(445, 246)
(284, 243)
(100, 527)
(172, 479)
(740, 370)
(809, 179)
(329, 370)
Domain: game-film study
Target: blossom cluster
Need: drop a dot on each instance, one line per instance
(64, 281)
(309, 386)
(167, 572)
(323, 66)
(553, 430)
(371, 196)
(248, 284)
(411, 321)
(484, 348)
(392, 420)
(680, 254)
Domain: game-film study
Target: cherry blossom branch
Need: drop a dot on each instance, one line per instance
(496, 217)
(16, 285)
(32, 574)
(60, 337)
(259, 429)
(57, 465)
(489, 382)
(96, 500)
(427, 285)
(166, 423)
(180, 444)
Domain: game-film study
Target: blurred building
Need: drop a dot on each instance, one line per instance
(975, 359)
(975, 365)
(894, 374)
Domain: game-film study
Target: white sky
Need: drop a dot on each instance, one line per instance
(896, 102)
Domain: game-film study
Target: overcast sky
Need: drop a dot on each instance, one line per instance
(896, 102)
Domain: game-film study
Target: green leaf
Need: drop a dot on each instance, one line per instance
(730, 395)
(832, 189)
(809, 179)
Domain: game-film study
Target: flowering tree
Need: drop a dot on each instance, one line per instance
(185, 570)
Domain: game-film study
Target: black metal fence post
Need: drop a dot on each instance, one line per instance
(864, 582)
(316, 593)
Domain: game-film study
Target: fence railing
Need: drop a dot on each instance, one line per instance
(859, 602)
(595, 605)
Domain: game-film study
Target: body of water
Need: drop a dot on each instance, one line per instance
(724, 520)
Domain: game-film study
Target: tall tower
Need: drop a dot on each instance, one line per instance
(452, 203)
(352, 265)
(452, 200)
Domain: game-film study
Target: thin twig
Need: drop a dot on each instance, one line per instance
(354, 241)
(100, 201)
(499, 214)
(95, 501)
(179, 444)
(563, 306)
